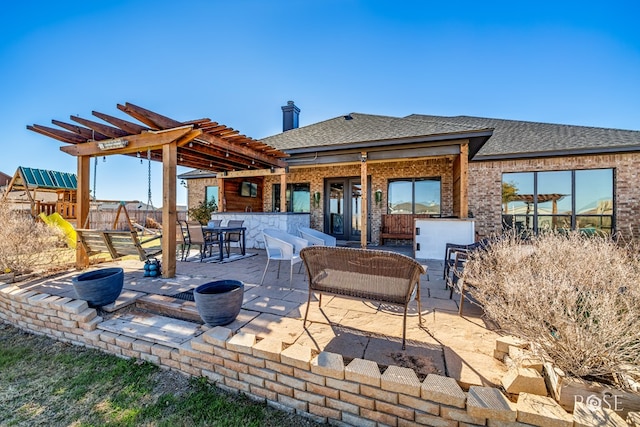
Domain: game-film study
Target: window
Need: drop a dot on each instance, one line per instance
(558, 200)
(414, 196)
(298, 198)
(211, 193)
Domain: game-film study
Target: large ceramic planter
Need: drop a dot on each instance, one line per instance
(219, 302)
(99, 287)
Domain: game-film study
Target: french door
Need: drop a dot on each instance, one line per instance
(343, 208)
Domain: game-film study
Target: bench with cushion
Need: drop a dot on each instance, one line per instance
(378, 276)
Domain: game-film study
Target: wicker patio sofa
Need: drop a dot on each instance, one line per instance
(378, 276)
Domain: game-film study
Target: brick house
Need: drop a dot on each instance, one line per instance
(503, 173)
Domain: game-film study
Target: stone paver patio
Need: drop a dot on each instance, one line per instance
(446, 344)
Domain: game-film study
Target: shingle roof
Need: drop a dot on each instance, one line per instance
(513, 138)
(357, 127)
(197, 173)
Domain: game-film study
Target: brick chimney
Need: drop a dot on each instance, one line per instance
(290, 115)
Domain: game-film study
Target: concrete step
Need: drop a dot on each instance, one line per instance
(153, 328)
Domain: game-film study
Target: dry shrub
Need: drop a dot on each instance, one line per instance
(25, 244)
(577, 298)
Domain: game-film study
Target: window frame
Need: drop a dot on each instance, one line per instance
(275, 195)
(413, 181)
(574, 216)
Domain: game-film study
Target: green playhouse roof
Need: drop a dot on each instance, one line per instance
(43, 178)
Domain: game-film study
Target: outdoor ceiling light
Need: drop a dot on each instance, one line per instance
(113, 144)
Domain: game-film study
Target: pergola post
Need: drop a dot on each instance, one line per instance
(169, 210)
(82, 208)
(461, 183)
(364, 208)
(222, 199)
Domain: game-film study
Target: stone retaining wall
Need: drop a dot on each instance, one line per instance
(294, 378)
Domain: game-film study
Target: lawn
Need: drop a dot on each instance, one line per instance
(46, 382)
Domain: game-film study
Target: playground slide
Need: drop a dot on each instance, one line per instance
(55, 220)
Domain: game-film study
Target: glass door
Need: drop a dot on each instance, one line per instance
(343, 214)
(336, 209)
(356, 210)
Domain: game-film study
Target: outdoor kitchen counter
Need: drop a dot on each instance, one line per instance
(255, 222)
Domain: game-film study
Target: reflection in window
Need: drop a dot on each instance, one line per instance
(211, 193)
(414, 196)
(554, 200)
(594, 200)
(517, 201)
(558, 200)
(298, 198)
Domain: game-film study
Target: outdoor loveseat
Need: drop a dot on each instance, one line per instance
(366, 274)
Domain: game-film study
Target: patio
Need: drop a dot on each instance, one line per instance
(446, 344)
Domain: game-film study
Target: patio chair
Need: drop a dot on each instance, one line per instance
(455, 282)
(213, 238)
(233, 237)
(182, 239)
(452, 248)
(196, 238)
(282, 246)
(316, 237)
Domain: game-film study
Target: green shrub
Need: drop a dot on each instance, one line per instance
(202, 212)
(576, 298)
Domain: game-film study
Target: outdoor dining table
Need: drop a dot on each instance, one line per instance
(221, 233)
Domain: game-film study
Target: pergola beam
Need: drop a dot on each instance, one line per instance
(143, 142)
(256, 172)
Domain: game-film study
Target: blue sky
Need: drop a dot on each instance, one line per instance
(237, 62)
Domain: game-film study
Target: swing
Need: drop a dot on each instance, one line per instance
(151, 226)
(118, 243)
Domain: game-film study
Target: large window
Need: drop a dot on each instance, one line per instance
(298, 198)
(558, 200)
(414, 196)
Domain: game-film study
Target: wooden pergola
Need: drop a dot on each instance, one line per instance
(199, 144)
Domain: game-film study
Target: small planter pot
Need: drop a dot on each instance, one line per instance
(99, 287)
(219, 302)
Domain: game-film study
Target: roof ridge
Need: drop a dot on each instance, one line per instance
(521, 121)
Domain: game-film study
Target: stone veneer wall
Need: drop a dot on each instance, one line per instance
(485, 186)
(294, 379)
(257, 221)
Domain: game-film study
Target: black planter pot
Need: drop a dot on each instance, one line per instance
(99, 287)
(219, 302)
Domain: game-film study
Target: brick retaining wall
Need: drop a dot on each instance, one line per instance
(295, 378)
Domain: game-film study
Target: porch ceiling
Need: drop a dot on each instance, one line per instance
(203, 144)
